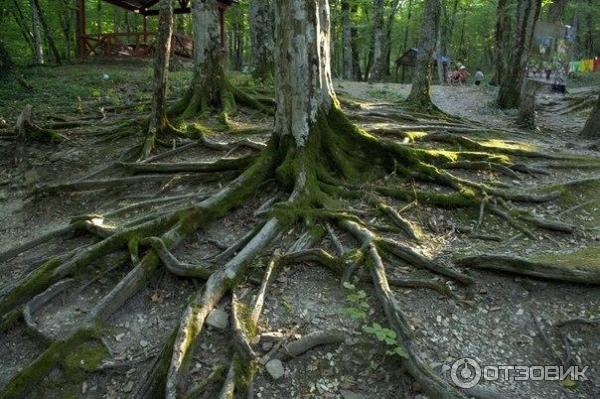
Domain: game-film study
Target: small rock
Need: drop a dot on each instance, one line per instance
(143, 343)
(218, 319)
(275, 368)
(266, 346)
(520, 312)
(128, 387)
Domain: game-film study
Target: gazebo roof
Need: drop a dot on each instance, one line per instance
(145, 7)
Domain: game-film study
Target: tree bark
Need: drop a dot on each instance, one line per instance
(348, 68)
(161, 64)
(377, 67)
(208, 54)
(38, 50)
(158, 118)
(420, 91)
(47, 32)
(502, 40)
(528, 12)
(405, 40)
(592, 126)
(526, 117)
(261, 37)
(304, 89)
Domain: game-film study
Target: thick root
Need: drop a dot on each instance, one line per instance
(522, 266)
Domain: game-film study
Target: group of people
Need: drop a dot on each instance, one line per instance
(460, 75)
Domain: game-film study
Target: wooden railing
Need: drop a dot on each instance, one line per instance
(134, 44)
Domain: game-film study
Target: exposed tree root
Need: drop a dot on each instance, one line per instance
(322, 179)
(25, 130)
(522, 266)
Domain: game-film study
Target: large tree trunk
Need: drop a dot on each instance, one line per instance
(208, 59)
(419, 93)
(36, 29)
(510, 84)
(348, 69)
(261, 37)
(377, 67)
(592, 126)
(304, 89)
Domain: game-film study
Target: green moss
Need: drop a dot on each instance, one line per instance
(34, 283)
(76, 355)
(585, 258)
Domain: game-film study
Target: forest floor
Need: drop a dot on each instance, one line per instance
(506, 320)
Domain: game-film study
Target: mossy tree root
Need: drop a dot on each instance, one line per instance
(220, 95)
(171, 229)
(432, 384)
(525, 267)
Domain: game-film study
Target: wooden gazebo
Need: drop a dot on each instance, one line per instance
(138, 44)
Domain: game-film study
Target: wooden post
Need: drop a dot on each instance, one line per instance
(81, 33)
(145, 30)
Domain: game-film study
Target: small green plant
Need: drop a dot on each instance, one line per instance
(359, 309)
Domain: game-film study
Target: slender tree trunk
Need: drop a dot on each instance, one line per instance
(47, 32)
(387, 39)
(556, 10)
(38, 53)
(419, 93)
(510, 85)
(260, 20)
(158, 118)
(592, 126)
(501, 40)
(405, 43)
(348, 69)
(377, 66)
(66, 19)
(355, 50)
(590, 29)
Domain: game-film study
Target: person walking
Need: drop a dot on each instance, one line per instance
(478, 77)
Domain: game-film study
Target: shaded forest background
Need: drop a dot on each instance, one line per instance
(467, 30)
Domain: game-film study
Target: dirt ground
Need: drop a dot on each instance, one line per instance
(504, 320)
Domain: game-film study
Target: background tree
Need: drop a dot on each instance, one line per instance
(592, 126)
(516, 51)
(261, 37)
(210, 89)
(419, 93)
(38, 50)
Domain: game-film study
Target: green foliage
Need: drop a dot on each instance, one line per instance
(359, 309)
(468, 27)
